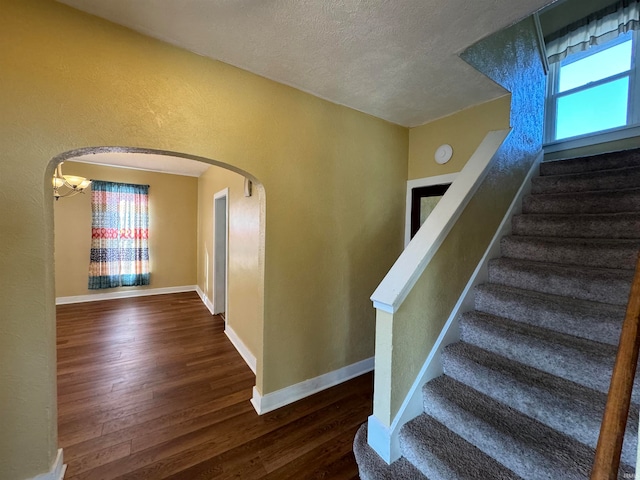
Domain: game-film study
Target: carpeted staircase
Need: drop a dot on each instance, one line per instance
(523, 392)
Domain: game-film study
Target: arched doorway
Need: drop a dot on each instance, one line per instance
(207, 183)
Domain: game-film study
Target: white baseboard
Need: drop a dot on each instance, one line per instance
(203, 296)
(57, 471)
(241, 347)
(280, 398)
(96, 297)
(384, 440)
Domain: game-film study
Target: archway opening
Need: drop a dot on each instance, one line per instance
(184, 227)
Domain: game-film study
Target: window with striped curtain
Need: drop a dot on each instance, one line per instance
(593, 80)
(119, 235)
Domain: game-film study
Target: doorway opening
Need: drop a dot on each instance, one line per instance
(156, 352)
(220, 251)
(423, 201)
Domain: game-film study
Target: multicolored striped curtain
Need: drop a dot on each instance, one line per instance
(119, 235)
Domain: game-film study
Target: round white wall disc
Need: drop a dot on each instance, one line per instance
(443, 154)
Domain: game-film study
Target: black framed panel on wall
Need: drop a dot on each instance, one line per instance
(423, 201)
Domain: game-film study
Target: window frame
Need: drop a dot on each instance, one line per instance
(633, 95)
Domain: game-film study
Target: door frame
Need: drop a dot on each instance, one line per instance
(221, 234)
(421, 182)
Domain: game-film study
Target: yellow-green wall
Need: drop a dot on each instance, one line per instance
(334, 182)
(463, 131)
(244, 310)
(173, 203)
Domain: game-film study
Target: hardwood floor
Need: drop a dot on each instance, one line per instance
(151, 388)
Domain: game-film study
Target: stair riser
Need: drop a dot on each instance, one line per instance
(582, 203)
(510, 450)
(425, 460)
(440, 454)
(591, 164)
(590, 324)
(597, 286)
(590, 255)
(581, 367)
(589, 182)
(580, 226)
(581, 422)
(524, 389)
(372, 467)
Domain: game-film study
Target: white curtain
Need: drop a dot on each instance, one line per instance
(596, 29)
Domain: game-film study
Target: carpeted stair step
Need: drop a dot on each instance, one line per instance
(565, 406)
(612, 225)
(440, 454)
(578, 360)
(600, 322)
(586, 283)
(523, 445)
(628, 177)
(604, 253)
(523, 391)
(607, 161)
(607, 201)
(372, 467)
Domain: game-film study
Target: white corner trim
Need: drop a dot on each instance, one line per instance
(224, 193)
(57, 470)
(274, 400)
(385, 440)
(242, 349)
(417, 183)
(590, 139)
(96, 297)
(541, 44)
(205, 299)
(407, 269)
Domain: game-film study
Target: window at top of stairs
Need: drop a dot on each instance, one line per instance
(590, 90)
(592, 74)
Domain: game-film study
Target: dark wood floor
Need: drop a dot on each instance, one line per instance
(151, 388)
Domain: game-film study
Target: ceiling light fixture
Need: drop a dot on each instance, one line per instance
(67, 185)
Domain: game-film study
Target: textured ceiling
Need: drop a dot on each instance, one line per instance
(394, 59)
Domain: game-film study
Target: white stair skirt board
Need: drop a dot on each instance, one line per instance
(207, 302)
(96, 297)
(384, 440)
(242, 349)
(57, 471)
(280, 398)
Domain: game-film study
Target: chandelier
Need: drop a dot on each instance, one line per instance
(67, 185)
